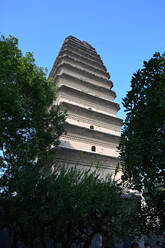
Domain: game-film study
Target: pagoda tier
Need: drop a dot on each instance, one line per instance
(92, 119)
(84, 90)
(67, 94)
(82, 65)
(83, 158)
(82, 74)
(83, 139)
(84, 86)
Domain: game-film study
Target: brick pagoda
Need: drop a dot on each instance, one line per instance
(85, 90)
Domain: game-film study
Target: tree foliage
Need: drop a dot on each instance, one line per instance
(29, 127)
(70, 206)
(142, 147)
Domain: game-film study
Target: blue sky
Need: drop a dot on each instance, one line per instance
(124, 32)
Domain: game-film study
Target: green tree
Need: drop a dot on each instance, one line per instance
(142, 146)
(30, 126)
(70, 206)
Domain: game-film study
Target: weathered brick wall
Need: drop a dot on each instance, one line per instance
(87, 88)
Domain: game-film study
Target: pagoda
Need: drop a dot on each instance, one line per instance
(84, 89)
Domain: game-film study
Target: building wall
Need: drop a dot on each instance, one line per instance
(73, 157)
(88, 123)
(82, 76)
(78, 64)
(86, 88)
(89, 117)
(83, 58)
(84, 101)
(87, 144)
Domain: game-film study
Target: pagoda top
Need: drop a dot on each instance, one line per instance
(84, 43)
(81, 51)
